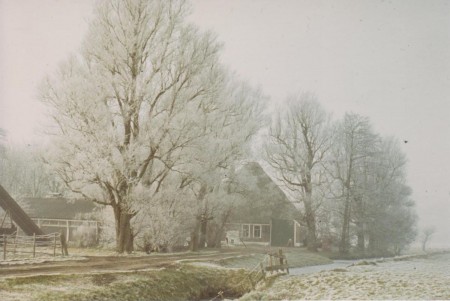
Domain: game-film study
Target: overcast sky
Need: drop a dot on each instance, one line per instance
(388, 60)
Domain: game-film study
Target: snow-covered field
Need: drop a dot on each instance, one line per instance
(419, 278)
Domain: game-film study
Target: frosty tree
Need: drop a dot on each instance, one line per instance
(427, 233)
(370, 189)
(23, 173)
(132, 105)
(227, 141)
(354, 145)
(389, 217)
(297, 145)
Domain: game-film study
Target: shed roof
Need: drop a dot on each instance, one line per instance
(59, 208)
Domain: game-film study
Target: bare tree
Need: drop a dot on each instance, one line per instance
(129, 107)
(296, 148)
(354, 144)
(427, 233)
(373, 197)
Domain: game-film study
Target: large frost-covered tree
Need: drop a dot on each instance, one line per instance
(296, 149)
(131, 107)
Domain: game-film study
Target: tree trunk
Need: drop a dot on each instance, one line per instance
(202, 221)
(203, 228)
(124, 233)
(219, 233)
(359, 212)
(424, 244)
(194, 240)
(311, 242)
(344, 244)
(361, 238)
(373, 244)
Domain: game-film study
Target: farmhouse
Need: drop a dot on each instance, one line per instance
(264, 215)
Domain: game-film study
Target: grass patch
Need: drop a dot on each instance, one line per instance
(36, 280)
(178, 282)
(298, 258)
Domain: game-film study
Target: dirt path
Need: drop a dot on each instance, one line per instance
(109, 263)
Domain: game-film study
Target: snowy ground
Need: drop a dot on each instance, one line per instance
(420, 278)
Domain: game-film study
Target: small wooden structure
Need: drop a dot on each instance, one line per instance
(277, 262)
(273, 263)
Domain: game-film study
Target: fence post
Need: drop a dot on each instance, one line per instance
(54, 245)
(96, 232)
(67, 230)
(270, 262)
(15, 243)
(34, 245)
(287, 265)
(64, 250)
(280, 253)
(262, 270)
(4, 246)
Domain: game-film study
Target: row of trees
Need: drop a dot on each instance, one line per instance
(149, 123)
(350, 181)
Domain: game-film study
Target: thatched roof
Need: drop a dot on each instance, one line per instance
(262, 199)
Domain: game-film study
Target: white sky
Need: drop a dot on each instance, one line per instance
(389, 60)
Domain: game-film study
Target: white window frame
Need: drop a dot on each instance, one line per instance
(254, 231)
(248, 231)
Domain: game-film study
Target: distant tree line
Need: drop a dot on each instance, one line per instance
(23, 173)
(350, 181)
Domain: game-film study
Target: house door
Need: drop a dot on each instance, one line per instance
(281, 231)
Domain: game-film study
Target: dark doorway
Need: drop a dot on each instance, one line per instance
(281, 231)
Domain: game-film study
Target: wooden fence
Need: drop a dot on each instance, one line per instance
(14, 246)
(272, 263)
(68, 225)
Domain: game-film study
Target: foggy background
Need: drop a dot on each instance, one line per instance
(386, 60)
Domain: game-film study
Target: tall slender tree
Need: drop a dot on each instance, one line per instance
(296, 149)
(354, 144)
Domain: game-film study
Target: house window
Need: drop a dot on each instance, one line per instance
(257, 231)
(245, 230)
